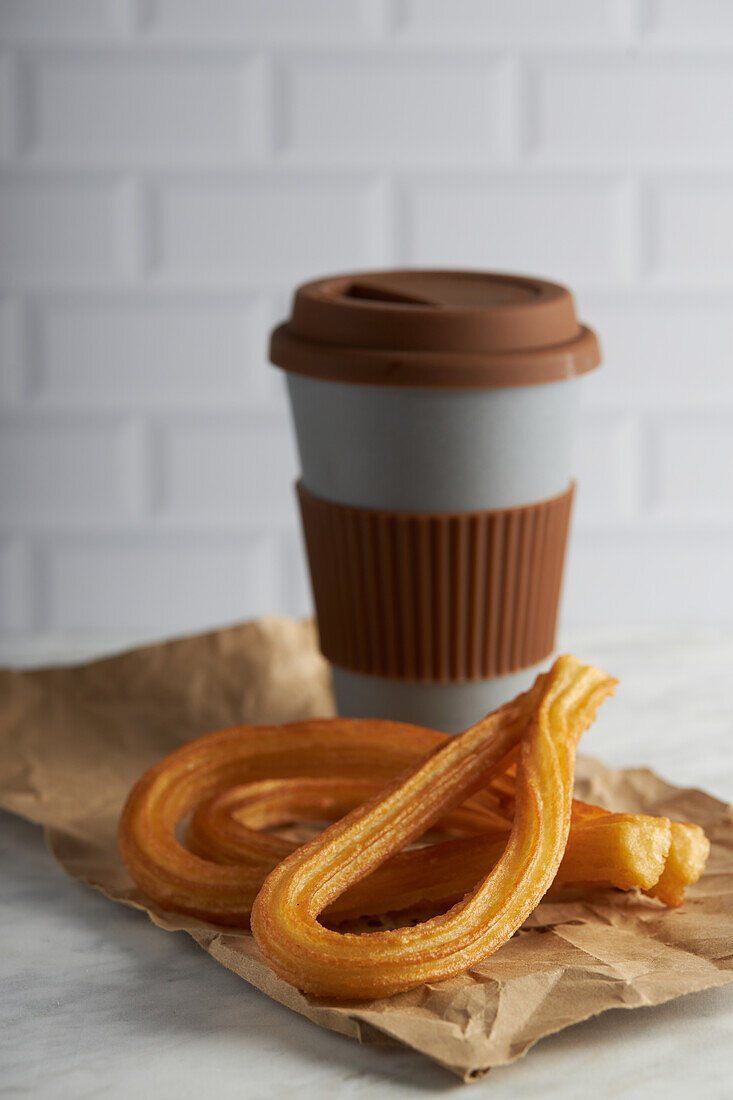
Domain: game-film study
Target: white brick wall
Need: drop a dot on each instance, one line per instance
(62, 228)
(518, 22)
(693, 467)
(369, 110)
(633, 112)
(60, 20)
(265, 21)
(170, 169)
(693, 234)
(15, 610)
(223, 470)
(58, 471)
(163, 351)
(114, 106)
(263, 230)
(679, 23)
(580, 231)
(126, 585)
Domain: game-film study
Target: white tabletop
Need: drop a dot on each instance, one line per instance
(108, 1005)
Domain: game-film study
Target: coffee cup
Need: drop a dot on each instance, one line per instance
(434, 413)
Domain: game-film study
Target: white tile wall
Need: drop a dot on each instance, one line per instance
(113, 106)
(226, 469)
(61, 471)
(108, 587)
(262, 230)
(676, 577)
(609, 456)
(148, 352)
(694, 466)
(15, 609)
(11, 372)
(264, 21)
(633, 112)
(365, 109)
(679, 23)
(169, 169)
(61, 228)
(51, 21)
(519, 22)
(693, 234)
(668, 350)
(582, 232)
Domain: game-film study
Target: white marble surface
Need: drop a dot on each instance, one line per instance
(105, 1004)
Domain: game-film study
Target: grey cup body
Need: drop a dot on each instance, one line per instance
(432, 450)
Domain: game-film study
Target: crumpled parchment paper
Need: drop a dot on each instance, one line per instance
(73, 740)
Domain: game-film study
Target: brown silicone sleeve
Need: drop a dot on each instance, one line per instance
(436, 597)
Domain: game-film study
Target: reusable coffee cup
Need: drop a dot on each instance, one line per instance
(434, 415)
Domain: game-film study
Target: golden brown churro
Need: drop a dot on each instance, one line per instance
(548, 721)
(511, 826)
(173, 788)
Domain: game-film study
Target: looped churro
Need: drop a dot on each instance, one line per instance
(341, 749)
(228, 827)
(548, 721)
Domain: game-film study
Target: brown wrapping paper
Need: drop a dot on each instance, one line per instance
(73, 740)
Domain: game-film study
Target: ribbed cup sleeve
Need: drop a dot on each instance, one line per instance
(438, 598)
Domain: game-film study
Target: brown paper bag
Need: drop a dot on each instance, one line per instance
(73, 740)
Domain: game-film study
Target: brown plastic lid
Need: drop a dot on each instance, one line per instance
(442, 329)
